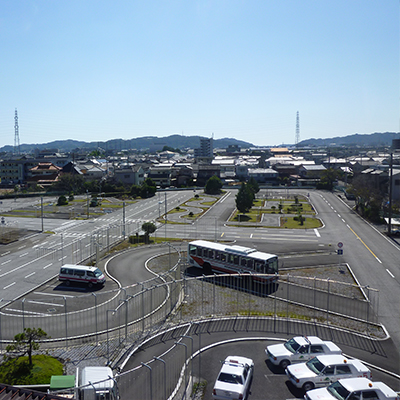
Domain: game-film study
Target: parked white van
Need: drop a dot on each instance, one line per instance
(70, 273)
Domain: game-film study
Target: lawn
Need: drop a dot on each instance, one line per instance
(16, 371)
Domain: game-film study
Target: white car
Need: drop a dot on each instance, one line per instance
(234, 379)
(299, 349)
(324, 370)
(353, 388)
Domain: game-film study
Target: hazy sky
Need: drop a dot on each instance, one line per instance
(99, 70)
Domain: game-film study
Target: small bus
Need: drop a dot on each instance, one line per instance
(220, 258)
(70, 273)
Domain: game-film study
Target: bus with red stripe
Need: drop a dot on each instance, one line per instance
(222, 258)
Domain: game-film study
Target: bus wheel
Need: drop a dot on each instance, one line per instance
(207, 269)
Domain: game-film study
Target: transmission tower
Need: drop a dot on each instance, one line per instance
(297, 129)
(16, 136)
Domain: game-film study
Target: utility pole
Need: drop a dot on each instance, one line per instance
(16, 135)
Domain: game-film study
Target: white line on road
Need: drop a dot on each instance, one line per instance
(46, 304)
(53, 294)
(4, 254)
(21, 247)
(380, 262)
(27, 312)
(5, 262)
(317, 233)
(27, 276)
(6, 287)
(343, 220)
(389, 273)
(23, 255)
(47, 266)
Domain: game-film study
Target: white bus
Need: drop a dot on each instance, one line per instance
(222, 258)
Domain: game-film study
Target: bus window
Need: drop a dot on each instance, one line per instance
(273, 266)
(192, 250)
(210, 253)
(217, 255)
(236, 260)
(223, 256)
(259, 268)
(250, 263)
(243, 261)
(230, 258)
(199, 251)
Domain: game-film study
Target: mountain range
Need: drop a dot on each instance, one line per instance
(183, 142)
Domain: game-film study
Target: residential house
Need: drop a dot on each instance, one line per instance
(264, 175)
(160, 174)
(43, 174)
(129, 174)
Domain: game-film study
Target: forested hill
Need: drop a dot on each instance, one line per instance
(142, 143)
(363, 140)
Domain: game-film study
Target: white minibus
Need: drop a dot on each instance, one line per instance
(70, 273)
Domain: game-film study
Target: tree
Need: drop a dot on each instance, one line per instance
(62, 201)
(26, 342)
(328, 177)
(148, 188)
(244, 199)
(68, 183)
(148, 228)
(253, 185)
(213, 185)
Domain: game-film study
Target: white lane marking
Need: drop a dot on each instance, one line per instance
(23, 255)
(46, 304)
(27, 276)
(4, 254)
(53, 294)
(389, 273)
(11, 284)
(5, 262)
(317, 233)
(47, 266)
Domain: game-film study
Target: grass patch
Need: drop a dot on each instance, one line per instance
(309, 223)
(18, 372)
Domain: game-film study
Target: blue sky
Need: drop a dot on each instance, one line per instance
(99, 70)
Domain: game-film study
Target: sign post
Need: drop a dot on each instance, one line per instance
(339, 252)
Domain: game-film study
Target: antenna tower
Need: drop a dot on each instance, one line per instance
(297, 129)
(16, 136)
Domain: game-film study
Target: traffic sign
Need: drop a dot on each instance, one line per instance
(340, 252)
(340, 245)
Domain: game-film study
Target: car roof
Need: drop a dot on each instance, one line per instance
(308, 340)
(337, 359)
(353, 384)
(79, 267)
(231, 363)
(333, 359)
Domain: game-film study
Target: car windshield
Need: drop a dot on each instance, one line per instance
(315, 365)
(230, 378)
(292, 345)
(337, 390)
(97, 273)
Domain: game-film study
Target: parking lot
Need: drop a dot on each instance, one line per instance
(269, 382)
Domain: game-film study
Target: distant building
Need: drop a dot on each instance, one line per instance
(264, 175)
(160, 174)
(205, 152)
(43, 174)
(129, 174)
